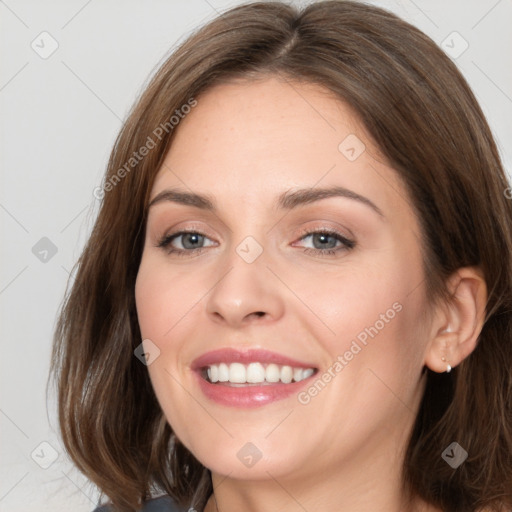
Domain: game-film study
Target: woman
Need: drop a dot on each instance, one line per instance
(298, 291)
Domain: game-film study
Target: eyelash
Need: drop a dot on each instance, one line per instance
(348, 244)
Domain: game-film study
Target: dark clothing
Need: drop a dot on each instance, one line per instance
(162, 504)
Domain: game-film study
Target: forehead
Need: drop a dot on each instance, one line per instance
(254, 140)
(268, 115)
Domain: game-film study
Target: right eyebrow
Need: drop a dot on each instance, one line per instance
(185, 198)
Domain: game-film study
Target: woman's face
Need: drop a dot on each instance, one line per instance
(305, 249)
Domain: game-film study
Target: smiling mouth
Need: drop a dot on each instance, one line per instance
(254, 374)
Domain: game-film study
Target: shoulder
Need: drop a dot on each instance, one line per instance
(161, 504)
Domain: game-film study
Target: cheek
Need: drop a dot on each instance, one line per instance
(372, 312)
(162, 301)
(374, 358)
(162, 298)
(167, 303)
(350, 300)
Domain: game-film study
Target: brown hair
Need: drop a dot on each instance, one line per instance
(425, 120)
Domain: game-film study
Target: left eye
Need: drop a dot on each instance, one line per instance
(322, 240)
(327, 241)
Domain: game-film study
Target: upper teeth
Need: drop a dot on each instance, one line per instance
(254, 373)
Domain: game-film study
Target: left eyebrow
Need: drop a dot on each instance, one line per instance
(288, 200)
(294, 198)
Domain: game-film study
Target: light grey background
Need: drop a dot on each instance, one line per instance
(60, 116)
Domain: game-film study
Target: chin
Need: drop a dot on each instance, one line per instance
(248, 460)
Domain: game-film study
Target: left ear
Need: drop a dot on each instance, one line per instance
(458, 322)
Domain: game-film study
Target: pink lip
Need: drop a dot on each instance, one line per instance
(251, 395)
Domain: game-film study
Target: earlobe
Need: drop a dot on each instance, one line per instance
(459, 322)
(442, 352)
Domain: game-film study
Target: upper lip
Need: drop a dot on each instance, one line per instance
(230, 355)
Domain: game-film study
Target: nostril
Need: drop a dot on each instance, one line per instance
(257, 313)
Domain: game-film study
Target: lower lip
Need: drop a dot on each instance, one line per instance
(250, 395)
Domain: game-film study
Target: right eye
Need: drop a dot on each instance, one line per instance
(187, 241)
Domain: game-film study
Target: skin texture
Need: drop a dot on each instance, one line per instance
(245, 144)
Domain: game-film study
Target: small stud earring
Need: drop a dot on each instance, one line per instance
(448, 367)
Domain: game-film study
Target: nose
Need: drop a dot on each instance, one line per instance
(247, 293)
